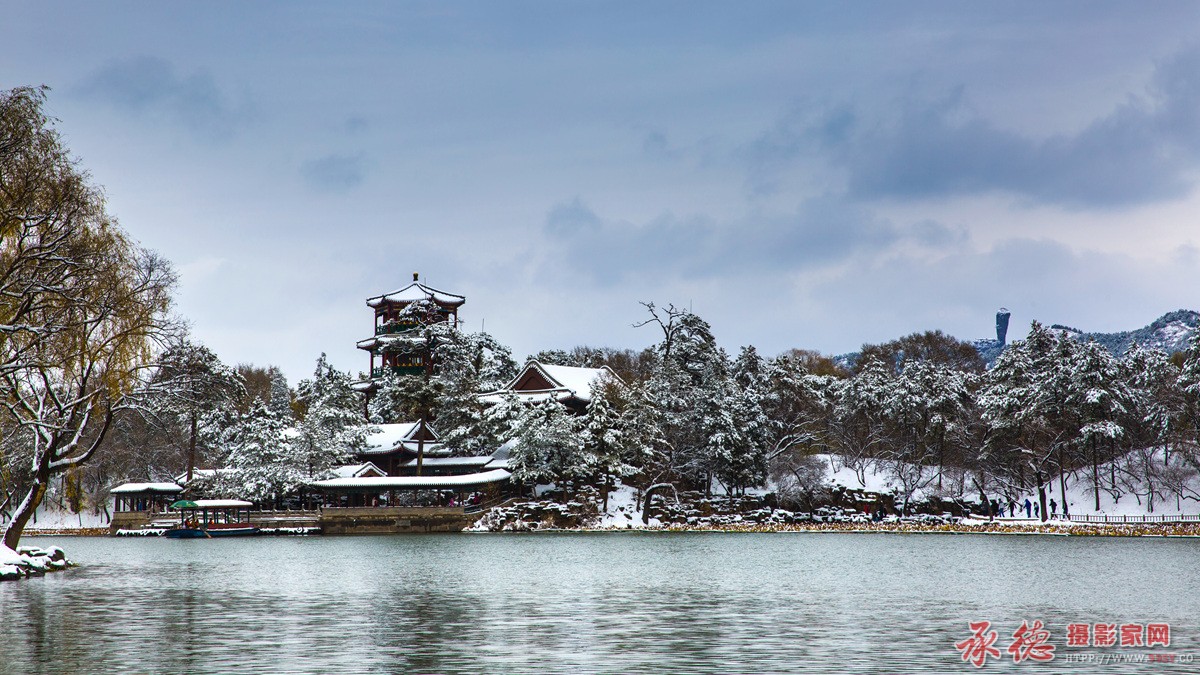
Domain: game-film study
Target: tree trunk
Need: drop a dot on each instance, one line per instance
(1041, 486)
(192, 449)
(983, 498)
(1112, 467)
(1062, 480)
(650, 492)
(26, 510)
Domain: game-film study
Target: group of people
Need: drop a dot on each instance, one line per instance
(1032, 509)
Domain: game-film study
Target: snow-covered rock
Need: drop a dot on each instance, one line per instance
(30, 561)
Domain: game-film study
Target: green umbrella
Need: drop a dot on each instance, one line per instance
(185, 504)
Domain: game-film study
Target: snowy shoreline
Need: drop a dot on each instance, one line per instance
(31, 561)
(1157, 530)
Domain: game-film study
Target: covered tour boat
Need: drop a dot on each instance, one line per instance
(204, 518)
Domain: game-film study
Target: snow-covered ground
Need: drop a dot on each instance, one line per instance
(50, 518)
(624, 512)
(1080, 497)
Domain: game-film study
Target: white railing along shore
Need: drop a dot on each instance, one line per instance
(1115, 519)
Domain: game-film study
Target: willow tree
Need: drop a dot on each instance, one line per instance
(82, 308)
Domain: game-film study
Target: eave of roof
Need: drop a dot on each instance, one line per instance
(412, 482)
(424, 292)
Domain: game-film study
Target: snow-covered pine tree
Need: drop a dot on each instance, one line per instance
(404, 398)
(281, 395)
(798, 408)
(739, 443)
(191, 393)
(857, 423)
(704, 371)
(1099, 400)
(550, 447)
(468, 364)
(605, 439)
(740, 439)
(1023, 402)
(1188, 406)
(925, 403)
(332, 427)
(500, 423)
(641, 422)
(262, 463)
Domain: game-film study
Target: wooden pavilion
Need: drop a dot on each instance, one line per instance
(397, 343)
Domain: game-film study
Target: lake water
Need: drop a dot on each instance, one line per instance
(590, 603)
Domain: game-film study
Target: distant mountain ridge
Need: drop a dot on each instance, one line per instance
(1170, 332)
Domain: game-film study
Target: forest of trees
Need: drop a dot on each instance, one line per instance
(102, 385)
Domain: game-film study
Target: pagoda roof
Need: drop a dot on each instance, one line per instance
(418, 291)
(385, 341)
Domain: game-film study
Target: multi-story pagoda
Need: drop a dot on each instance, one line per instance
(399, 343)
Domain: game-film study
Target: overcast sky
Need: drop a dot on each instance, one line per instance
(814, 175)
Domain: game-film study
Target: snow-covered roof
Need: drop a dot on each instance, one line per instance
(408, 341)
(578, 380)
(496, 464)
(418, 291)
(450, 461)
(391, 437)
(357, 470)
(201, 473)
(414, 482)
(133, 488)
(567, 382)
(526, 396)
(220, 503)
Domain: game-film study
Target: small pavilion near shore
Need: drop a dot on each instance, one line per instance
(149, 497)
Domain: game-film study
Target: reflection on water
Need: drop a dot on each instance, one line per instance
(582, 603)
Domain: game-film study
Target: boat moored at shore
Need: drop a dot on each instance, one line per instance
(207, 518)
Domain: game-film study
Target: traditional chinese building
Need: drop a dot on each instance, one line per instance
(407, 458)
(398, 343)
(397, 449)
(569, 385)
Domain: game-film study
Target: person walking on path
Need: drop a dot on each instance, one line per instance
(1053, 509)
(1028, 508)
(1012, 508)
(1037, 511)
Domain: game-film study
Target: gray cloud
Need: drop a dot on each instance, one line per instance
(334, 172)
(823, 231)
(151, 86)
(565, 220)
(655, 144)
(356, 124)
(1145, 150)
